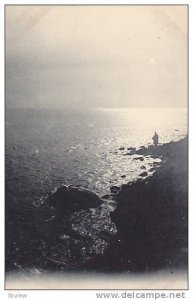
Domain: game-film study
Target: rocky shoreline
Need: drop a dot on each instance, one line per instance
(152, 215)
(73, 228)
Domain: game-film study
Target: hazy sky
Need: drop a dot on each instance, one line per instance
(96, 56)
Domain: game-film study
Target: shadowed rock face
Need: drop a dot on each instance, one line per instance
(151, 216)
(68, 199)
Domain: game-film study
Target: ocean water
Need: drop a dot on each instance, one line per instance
(48, 148)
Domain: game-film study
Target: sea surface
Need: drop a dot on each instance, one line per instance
(48, 148)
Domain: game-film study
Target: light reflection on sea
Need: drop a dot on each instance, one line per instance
(45, 149)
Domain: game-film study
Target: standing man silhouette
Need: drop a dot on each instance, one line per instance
(155, 139)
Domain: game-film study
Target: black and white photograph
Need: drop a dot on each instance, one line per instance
(96, 147)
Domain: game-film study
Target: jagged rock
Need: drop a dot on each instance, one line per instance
(143, 167)
(139, 158)
(143, 174)
(114, 189)
(131, 151)
(122, 148)
(131, 148)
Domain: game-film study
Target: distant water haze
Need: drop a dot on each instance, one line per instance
(96, 56)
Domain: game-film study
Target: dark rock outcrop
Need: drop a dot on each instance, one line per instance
(131, 149)
(68, 199)
(144, 174)
(139, 158)
(152, 216)
(114, 189)
(143, 167)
